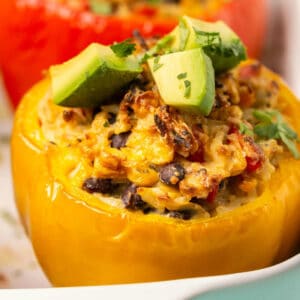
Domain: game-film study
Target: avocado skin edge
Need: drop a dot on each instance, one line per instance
(89, 93)
(92, 77)
(207, 103)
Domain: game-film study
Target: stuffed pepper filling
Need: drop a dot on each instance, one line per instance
(140, 152)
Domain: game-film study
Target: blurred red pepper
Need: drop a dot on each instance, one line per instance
(38, 33)
(253, 164)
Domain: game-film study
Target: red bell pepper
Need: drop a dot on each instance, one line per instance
(35, 34)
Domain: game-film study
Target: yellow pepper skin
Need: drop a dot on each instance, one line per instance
(79, 240)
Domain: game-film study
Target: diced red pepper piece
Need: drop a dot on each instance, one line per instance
(233, 129)
(253, 164)
(255, 155)
(198, 156)
(212, 194)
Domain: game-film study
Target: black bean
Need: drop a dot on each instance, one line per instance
(148, 209)
(200, 201)
(222, 185)
(180, 140)
(218, 84)
(130, 111)
(171, 174)
(153, 167)
(160, 125)
(111, 118)
(98, 185)
(180, 214)
(96, 111)
(132, 200)
(119, 140)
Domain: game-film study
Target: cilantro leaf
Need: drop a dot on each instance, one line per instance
(181, 75)
(263, 116)
(124, 48)
(244, 129)
(290, 145)
(187, 91)
(207, 39)
(269, 131)
(236, 48)
(272, 126)
(287, 131)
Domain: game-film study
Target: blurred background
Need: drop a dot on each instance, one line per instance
(46, 32)
(38, 33)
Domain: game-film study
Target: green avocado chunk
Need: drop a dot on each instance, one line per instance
(185, 80)
(218, 41)
(92, 77)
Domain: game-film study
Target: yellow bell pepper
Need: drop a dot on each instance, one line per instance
(80, 240)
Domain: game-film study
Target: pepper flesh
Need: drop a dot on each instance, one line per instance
(42, 33)
(80, 240)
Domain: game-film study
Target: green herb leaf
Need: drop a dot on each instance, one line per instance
(208, 38)
(272, 126)
(106, 124)
(290, 145)
(269, 131)
(181, 75)
(236, 47)
(184, 33)
(212, 43)
(264, 116)
(124, 48)
(187, 91)
(156, 64)
(244, 129)
(287, 131)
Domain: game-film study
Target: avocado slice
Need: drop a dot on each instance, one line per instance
(185, 80)
(92, 77)
(218, 41)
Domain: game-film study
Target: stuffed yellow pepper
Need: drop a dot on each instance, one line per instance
(151, 160)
